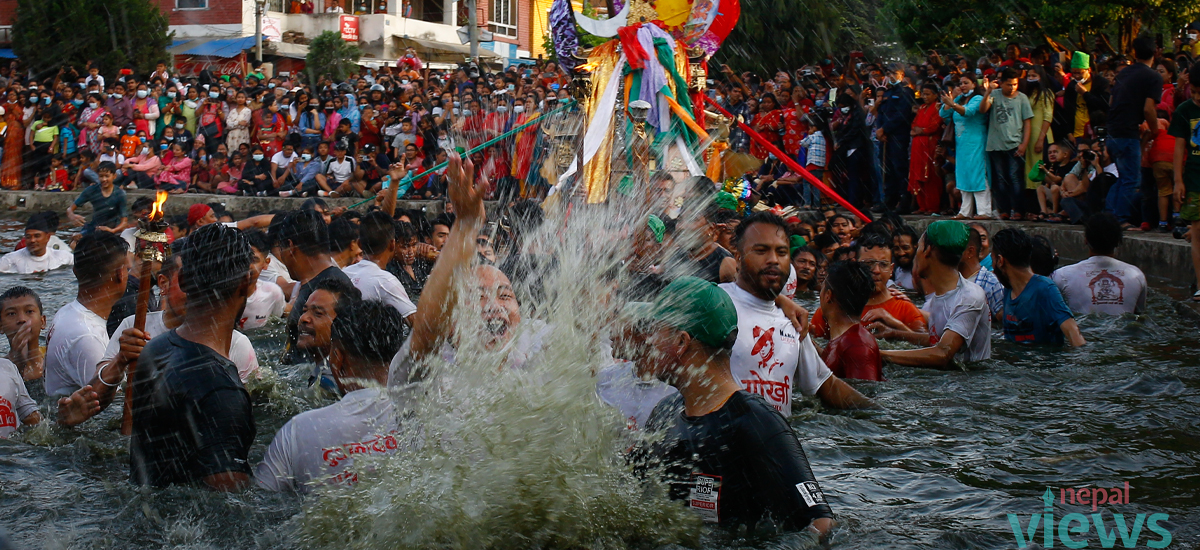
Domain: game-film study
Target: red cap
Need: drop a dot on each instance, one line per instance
(197, 211)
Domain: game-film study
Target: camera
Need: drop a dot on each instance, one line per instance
(1088, 155)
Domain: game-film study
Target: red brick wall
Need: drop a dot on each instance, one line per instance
(219, 12)
(524, 8)
(8, 11)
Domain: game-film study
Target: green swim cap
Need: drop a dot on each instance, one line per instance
(948, 234)
(657, 227)
(797, 242)
(725, 200)
(694, 306)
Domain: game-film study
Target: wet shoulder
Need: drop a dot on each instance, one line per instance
(188, 367)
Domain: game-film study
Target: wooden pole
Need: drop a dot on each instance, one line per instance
(139, 322)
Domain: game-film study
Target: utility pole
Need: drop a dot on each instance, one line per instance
(258, 14)
(473, 30)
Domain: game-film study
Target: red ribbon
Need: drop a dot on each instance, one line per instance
(795, 166)
(634, 54)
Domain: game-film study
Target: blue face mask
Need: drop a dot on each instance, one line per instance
(131, 132)
(142, 139)
(214, 95)
(163, 146)
(46, 100)
(271, 85)
(77, 102)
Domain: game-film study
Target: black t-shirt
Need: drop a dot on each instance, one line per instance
(738, 465)
(1130, 90)
(292, 355)
(191, 414)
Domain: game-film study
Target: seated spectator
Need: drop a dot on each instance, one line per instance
(139, 171)
(1058, 164)
(1102, 283)
(852, 351)
(1034, 310)
(176, 172)
(1086, 186)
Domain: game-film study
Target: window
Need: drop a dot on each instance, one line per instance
(274, 5)
(191, 4)
(503, 19)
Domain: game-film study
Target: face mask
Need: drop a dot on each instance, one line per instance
(1032, 79)
(502, 109)
(456, 111)
(114, 96)
(404, 82)
(466, 112)
(845, 110)
(361, 107)
(77, 102)
(171, 95)
(511, 87)
(257, 157)
(437, 111)
(33, 88)
(163, 146)
(131, 132)
(168, 138)
(518, 109)
(191, 104)
(142, 139)
(214, 95)
(457, 104)
(313, 105)
(564, 100)
(770, 156)
(45, 101)
(179, 126)
(819, 102)
(142, 94)
(408, 55)
(94, 105)
(270, 85)
(145, 150)
(443, 143)
(306, 157)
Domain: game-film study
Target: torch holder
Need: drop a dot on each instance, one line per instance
(151, 239)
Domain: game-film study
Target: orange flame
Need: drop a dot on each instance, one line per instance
(157, 213)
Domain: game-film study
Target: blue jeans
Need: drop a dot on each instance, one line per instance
(810, 195)
(1007, 182)
(1127, 153)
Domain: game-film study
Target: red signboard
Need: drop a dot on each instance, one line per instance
(189, 65)
(349, 26)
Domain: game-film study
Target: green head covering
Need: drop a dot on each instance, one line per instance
(797, 242)
(1080, 60)
(657, 227)
(694, 306)
(948, 234)
(726, 200)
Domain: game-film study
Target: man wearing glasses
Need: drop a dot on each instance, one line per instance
(875, 253)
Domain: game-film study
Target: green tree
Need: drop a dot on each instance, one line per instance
(784, 34)
(328, 54)
(49, 34)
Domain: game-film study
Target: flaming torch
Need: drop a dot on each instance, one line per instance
(151, 247)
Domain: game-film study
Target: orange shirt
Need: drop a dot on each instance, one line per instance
(902, 310)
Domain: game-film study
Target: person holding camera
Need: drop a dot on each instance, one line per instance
(1086, 185)
(1084, 100)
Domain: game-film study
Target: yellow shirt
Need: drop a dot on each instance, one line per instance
(1081, 111)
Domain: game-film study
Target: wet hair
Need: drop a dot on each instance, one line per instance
(369, 330)
(216, 260)
(342, 287)
(851, 284)
(906, 230)
(1014, 245)
(877, 227)
(845, 253)
(874, 240)
(763, 217)
(824, 240)
(142, 203)
(442, 219)
(20, 292)
(375, 232)
(304, 229)
(1102, 231)
(974, 239)
(312, 203)
(258, 240)
(170, 264)
(97, 256)
(342, 233)
(829, 222)
(1042, 257)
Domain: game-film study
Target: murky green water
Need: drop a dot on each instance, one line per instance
(940, 468)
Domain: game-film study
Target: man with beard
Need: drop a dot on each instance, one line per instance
(192, 419)
(875, 254)
(1034, 310)
(317, 314)
(904, 245)
(804, 265)
(959, 325)
(771, 357)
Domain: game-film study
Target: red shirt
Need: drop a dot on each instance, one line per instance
(854, 354)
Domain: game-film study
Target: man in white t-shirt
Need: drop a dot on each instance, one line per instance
(126, 343)
(377, 239)
(280, 162)
(37, 256)
(770, 357)
(342, 173)
(959, 318)
(78, 334)
(1102, 283)
(16, 407)
(319, 446)
(268, 299)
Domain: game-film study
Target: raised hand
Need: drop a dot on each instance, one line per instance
(465, 193)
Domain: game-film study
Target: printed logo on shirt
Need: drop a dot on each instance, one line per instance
(705, 496)
(764, 347)
(338, 456)
(8, 418)
(811, 493)
(1107, 289)
(775, 392)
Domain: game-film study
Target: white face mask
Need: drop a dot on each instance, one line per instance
(502, 109)
(93, 105)
(179, 126)
(142, 94)
(845, 110)
(191, 104)
(171, 95)
(519, 109)
(257, 157)
(145, 150)
(466, 112)
(306, 157)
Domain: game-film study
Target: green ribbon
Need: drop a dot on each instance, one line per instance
(407, 181)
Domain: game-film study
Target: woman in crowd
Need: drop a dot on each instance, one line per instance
(971, 164)
(169, 110)
(237, 166)
(191, 102)
(14, 141)
(237, 123)
(923, 180)
(139, 171)
(176, 172)
(90, 120)
(211, 122)
(145, 110)
(271, 128)
(1041, 99)
(256, 176)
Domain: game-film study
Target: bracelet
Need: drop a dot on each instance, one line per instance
(100, 377)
